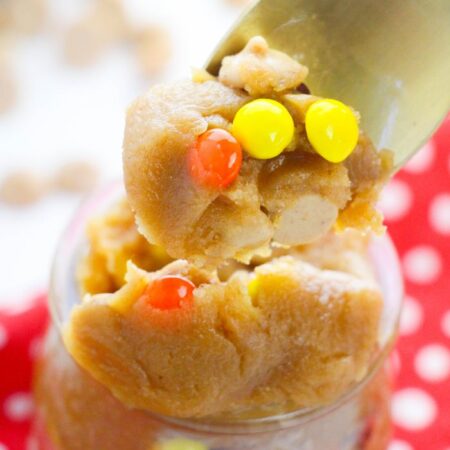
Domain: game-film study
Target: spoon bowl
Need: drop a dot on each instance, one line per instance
(389, 59)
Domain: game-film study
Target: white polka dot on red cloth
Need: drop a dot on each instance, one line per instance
(422, 264)
(439, 213)
(4, 337)
(32, 443)
(432, 363)
(18, 407)
(413, 409)
(399, 445)
(3, 446)
(445, 324)
(396, 200)
(422, 160)
(412, 316)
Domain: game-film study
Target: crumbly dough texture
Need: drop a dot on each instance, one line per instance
(285, 312)
(292, 199)
(113, 241)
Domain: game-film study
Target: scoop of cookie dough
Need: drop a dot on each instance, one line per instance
(292, 199)
(261, 70)
(283, 336)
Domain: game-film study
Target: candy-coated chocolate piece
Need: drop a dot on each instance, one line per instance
(264, 128)
(253, 287)
(182, 444)
(215, 158)
(169, 292)
(332, 129)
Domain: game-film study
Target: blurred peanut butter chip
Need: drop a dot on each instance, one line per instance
(8, 88)
(22, 187)
(8, 83)
(28, 16)
(76, 176)
(102, 26)
(153, 49)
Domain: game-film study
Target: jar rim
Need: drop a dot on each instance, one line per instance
(63, 294)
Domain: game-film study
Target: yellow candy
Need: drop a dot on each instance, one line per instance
(332, 129)
(264, 128)
(182, 444)
(253, 287)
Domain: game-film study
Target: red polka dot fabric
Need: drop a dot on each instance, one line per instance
(416, 205)
(20, 336)
(417, 210)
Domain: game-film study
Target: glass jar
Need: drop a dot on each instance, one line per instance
(75, 412)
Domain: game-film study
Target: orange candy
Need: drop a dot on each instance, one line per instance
(215, 158)
(169, 292)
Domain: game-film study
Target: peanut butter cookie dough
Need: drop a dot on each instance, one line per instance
(233, 281)
(294, 330)
(284, 336)
(291, 198)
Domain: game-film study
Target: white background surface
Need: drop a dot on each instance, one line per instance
(64, 113)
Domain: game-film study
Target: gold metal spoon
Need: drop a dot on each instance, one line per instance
(390, 59)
